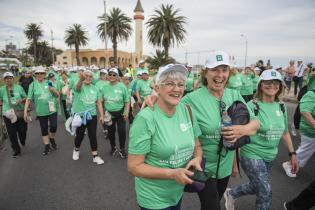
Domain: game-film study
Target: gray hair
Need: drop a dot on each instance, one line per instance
(173, 75)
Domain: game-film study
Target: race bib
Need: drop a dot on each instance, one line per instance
(51, 106)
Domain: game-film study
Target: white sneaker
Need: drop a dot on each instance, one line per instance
(98, 160)
(75, 154)
(288, 169)
(229, 200)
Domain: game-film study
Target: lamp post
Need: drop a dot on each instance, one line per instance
(246, 43)
(52, 42)
(105, 33)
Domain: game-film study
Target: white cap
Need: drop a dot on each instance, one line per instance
(170, 67)
(141, 61)
(7, 74)
(127, 75)
(217, 58)
(93, 67)
(40, 69)
(113, 70)
(270, 74)
(256, 69)
(139, 72)
(88, 71)
(80, 68)
(145, 72)
(104, 71)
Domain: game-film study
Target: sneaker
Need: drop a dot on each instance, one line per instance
(16, 153)
(98, 160)
(113, 151)
(288, 169)
(46, 150)
(75, 154)
(229, 200)
(122, 154)
(105, 132)
(285, 206)
(53, 144)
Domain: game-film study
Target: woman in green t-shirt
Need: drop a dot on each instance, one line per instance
(86, 97)
(116, 102)
(257, 157)
(13, 96)
(164, 144)
(44, 95)
(207, 104)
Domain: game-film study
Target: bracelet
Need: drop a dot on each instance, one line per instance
(292, 153)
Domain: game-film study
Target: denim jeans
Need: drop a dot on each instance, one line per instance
(259, 175)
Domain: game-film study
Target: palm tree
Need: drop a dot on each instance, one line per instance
(159, 59)
(166, 28)
(118, 28)
(33, 32)
(77, 36)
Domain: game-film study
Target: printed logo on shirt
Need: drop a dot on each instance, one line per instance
(117, 91)
(185, 126)
(278, 113)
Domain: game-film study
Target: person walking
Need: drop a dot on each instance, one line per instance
(26, 79)
(164, 145)
(86, 99)
(258, 156)
(116, 102)
(44, 95)
(289, 72)
(301, 70)
(12, 98)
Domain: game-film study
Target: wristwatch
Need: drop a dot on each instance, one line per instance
(292, 153)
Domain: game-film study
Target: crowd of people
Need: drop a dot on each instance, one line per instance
(185, 130)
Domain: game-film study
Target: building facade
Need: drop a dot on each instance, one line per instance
(96, 57)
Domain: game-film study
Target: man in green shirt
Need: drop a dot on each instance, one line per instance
(189, 81)
(141, 67)
(143, 88)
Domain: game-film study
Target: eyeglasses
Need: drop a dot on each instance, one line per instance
(172, 85)
(271, 82)
(88, 76)
(8, 77)
(112, 75)
(41, 73)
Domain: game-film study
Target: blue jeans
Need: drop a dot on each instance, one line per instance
(259, 175)
(176, 207)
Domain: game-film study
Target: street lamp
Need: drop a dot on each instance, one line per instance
(246, 43)
(52, 43)
(105, 33)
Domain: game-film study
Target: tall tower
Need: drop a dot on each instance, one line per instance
(138, 17)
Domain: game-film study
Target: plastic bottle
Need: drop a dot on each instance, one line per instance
(226, 121)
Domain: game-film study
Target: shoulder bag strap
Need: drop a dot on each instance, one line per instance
(9, 97)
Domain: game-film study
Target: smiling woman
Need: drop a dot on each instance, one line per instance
(164, 144)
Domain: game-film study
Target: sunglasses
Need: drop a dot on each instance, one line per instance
(112, 75)
(41, 73)
(271, 82)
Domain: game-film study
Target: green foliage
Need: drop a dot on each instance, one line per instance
(166, 27)
(118, 28)
(159, 59)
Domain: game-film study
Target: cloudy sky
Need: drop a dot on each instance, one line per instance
(273, 28)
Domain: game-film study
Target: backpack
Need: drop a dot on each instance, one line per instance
(257, 108)
(297, 112)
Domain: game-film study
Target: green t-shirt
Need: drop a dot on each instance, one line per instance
(247, 87)
(129, 90)
(17, 94)
(307, 104)
(235, 81)
(62, 85)
(144, 88)
(190, 82)
(273, 124)
(255, 82)
(73, 80)
(96, 77)
(141, 69)
(207, 111)
(166, 142)
(86, 99)
(311, 82)
(115, 96)
(42, 97)
(100, 84)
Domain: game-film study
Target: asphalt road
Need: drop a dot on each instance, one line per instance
(57, 182)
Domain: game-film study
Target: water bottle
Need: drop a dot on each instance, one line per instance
(226, 121)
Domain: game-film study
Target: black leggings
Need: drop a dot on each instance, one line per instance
(64, 106)
(211, 195)
(43, 122)
(91, 126)
(305, 200)
(121, 125)
(15, 130)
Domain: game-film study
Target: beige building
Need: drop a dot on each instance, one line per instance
(98, 57)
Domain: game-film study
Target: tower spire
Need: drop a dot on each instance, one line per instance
(138, 7)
